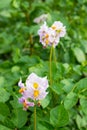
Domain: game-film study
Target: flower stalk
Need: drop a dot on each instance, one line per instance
(50, 60)
(54, 55)
(35, 117)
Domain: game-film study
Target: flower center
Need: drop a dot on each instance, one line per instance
(53, 27)
(47, 42)
(36, 93)
(35, 85)
(46, 36)
(58, 31)
(21, 90)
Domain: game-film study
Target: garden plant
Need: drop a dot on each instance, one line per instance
(43, 65)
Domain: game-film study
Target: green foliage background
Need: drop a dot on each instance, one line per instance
(21, 53)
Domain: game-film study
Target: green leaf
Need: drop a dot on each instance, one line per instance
(4, 95)
(2, 81)
(81, 121)
(45, 102)
(77, 69)
(15, 104)
(79, 54)
(57, 88)
(70, 100)
(84, 45)
(81, 86)
(2, 118)
(8, 122)
(30, 60)
(40, 126)
(4, 110)
(39, 69)
(5, 13)
(15, 3)
(2, 127)
(15, 69)
(33, 29)
(67, 85)
(16, 55)
(59, 116)
(63, 129)
(44, 125)
(83, 103)
(4, 3)
(20, 117)
(81, 1)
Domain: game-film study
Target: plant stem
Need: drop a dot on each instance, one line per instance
(54, 55)
(35, 117)
(31, 43)
(51, 65)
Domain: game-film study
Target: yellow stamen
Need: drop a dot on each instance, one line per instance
(46, 36)
(53, 27)
(59, 30)
(35, 85)
(21, 90)
(46, 41)
(25, 104)
(36, 93)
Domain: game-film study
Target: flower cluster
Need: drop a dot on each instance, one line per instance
(33, 90)
(41, 18)
(51, 35)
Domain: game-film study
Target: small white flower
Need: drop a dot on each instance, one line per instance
(59, 28)
(34, 89)
(50, 36)
(40, 19)
(44, 34)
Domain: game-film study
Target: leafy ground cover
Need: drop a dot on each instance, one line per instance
(21, 53)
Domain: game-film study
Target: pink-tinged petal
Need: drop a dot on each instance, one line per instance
(26, 103)
(45, 83)
(44, 34)
(31, 104)
(21, 100)
(20, 84)
(31, 78)
(43, 29)
(28, 93)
